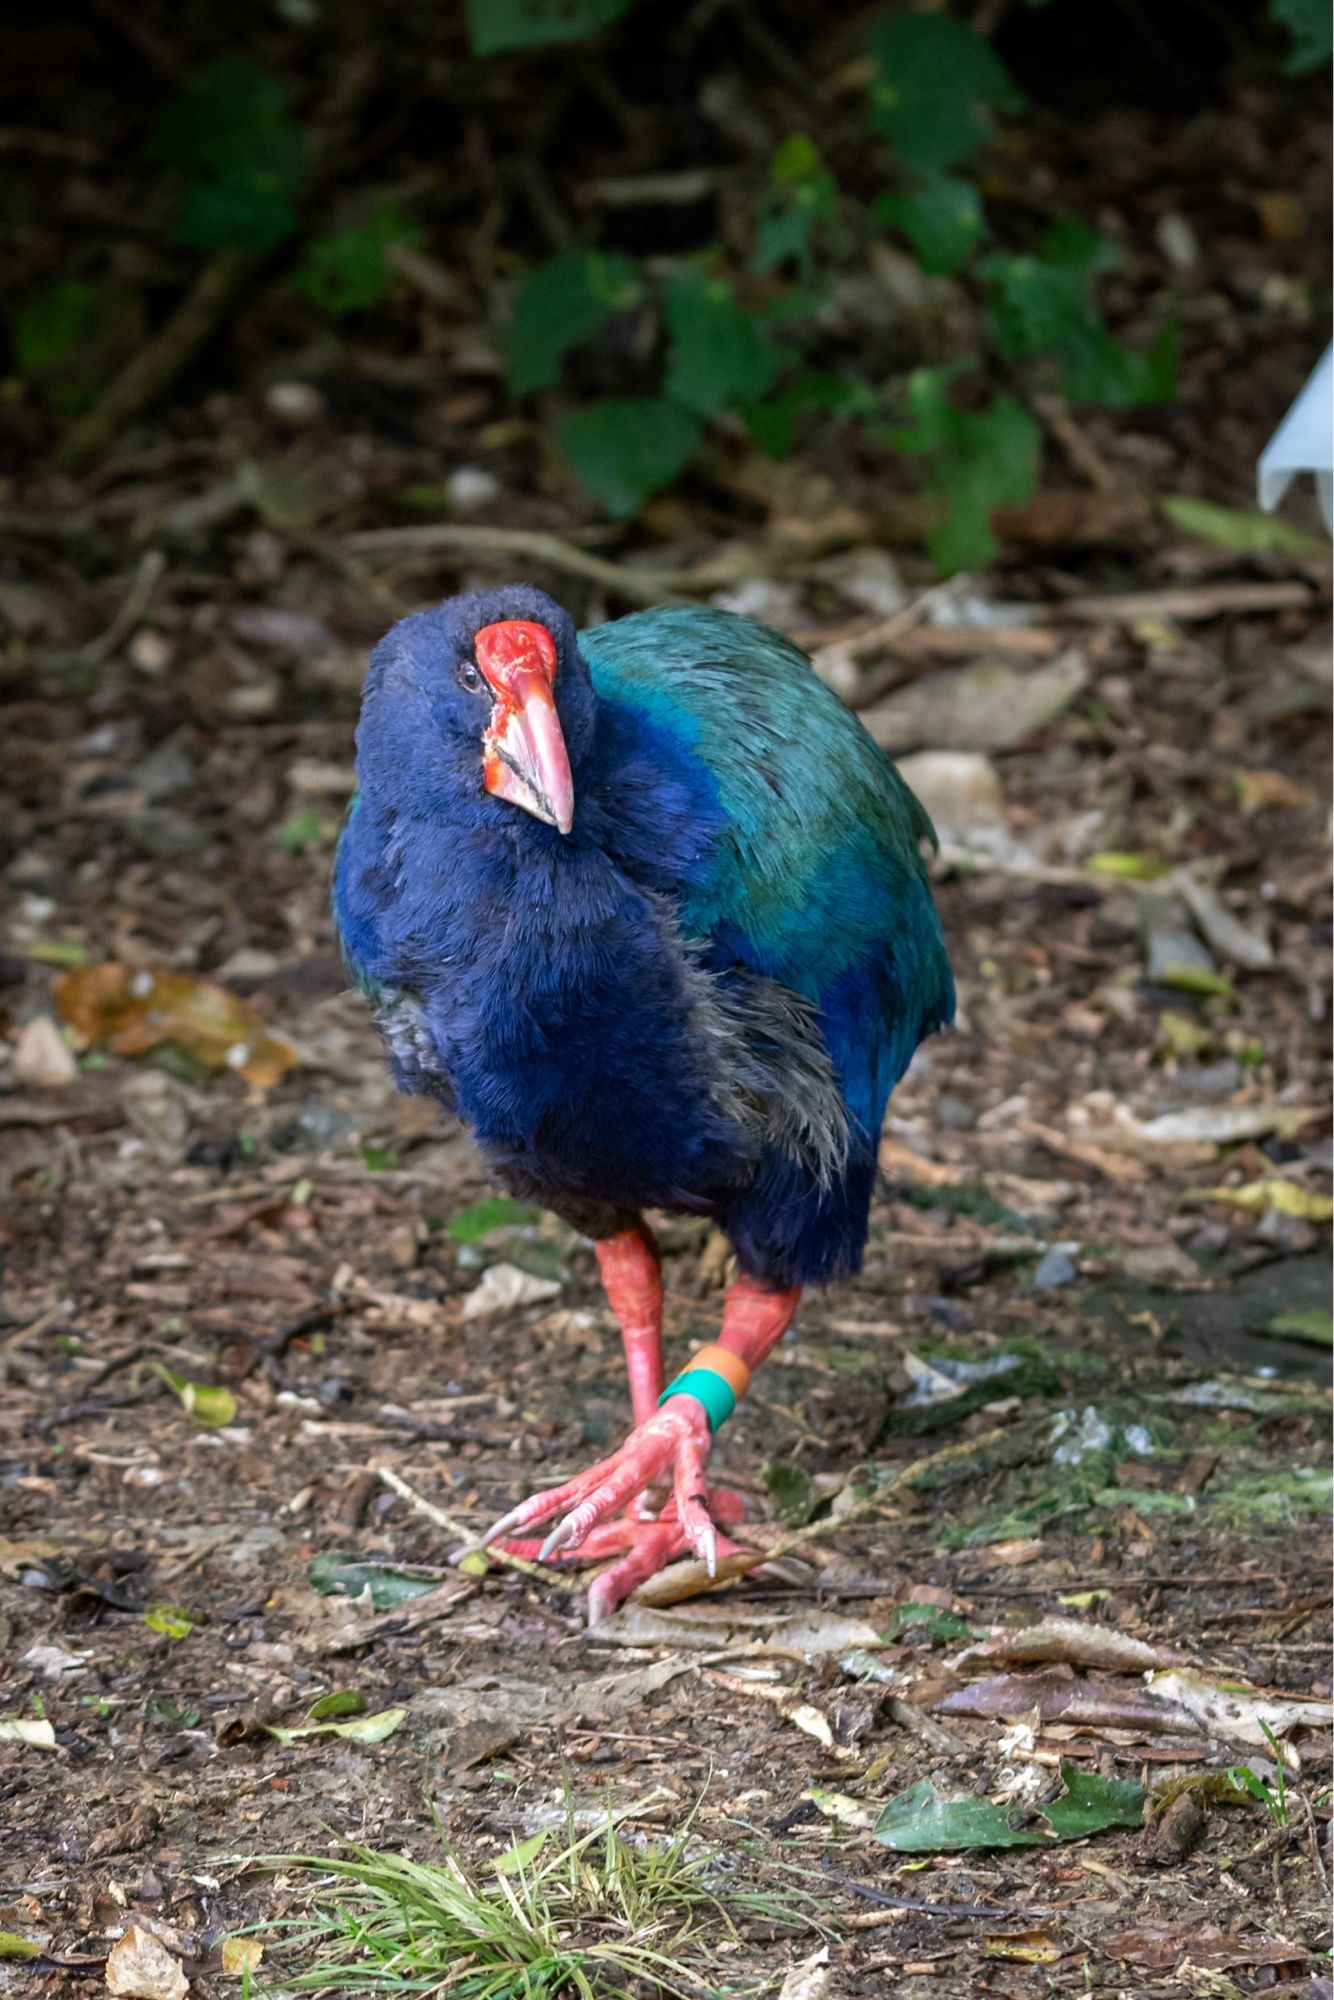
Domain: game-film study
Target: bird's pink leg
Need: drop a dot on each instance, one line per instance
(632, 1275)
(673, 1439)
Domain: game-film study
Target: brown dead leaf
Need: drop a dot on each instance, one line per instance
(1201, 1945)
(139, 1968)
(134, 1010)
(1071, 1641)
(1259, 789)
(1091, 1704)
(15, 1557)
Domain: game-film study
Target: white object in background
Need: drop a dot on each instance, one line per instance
(1304, 442)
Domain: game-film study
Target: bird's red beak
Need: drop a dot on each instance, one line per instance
(524, 757)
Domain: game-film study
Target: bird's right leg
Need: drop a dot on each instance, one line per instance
(632, 1275)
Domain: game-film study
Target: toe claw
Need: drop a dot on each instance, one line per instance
(561, 1537)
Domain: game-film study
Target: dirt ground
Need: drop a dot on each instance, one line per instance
(1054, 1474)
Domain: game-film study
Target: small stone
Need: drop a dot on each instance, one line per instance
(471, 487)
(163, 771)
(1056, 1268)
(960, 790)
(41, 1059)
(295, 402)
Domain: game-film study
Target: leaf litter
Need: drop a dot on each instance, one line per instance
(152, 1217)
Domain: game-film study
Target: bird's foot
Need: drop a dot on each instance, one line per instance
(642, 1543)
(592, 1524)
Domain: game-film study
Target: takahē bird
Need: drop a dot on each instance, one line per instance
(648, 907)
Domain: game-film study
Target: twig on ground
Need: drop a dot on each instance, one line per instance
(1187, 603)
(1082, 455)
(622, 580)
(541, 1573)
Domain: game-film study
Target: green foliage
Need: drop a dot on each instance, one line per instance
(942, 219)
(804, 197)
(976, 460)
(562, 302)
(1312, 30)
(497, 1211)
(935, 84)
(494, 25)
(350, 272)
(719, 354)
(932, 1619)
(773, 423)
(624, 448)
(1044, 303)
(918, 1821)
(242, 157)
(1274, 1798)
(49, 325)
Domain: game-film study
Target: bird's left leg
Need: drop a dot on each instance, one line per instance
(673, 1440)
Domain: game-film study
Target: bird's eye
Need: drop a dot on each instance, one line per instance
(468, 676)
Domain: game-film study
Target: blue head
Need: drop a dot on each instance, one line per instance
(476, 708)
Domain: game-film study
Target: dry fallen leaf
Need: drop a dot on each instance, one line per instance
(35, 1731)
(505, 1287)
(810, 1979)
(241, 1954)
(1274, 1196)
(41, 1059)
(134, 1010)
(1072, 1641)
(1239, 1713)
(139, 1968)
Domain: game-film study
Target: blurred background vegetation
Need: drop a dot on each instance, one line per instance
(639, 258)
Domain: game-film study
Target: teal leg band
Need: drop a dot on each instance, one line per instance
(716, 1394)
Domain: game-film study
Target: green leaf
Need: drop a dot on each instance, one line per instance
(1237, 531)
(335, 1575)
(1091, 1804)
(522, 1855)
(805, 193)
(243, 157)
(494, 25)
(470, 1225)
(173, 1621)
(625, 448)
(379, 1159)
(1313, 1326)
(935, 82)
(1132, 867)
(792, 1492)
(48, 325)
(918, 1821)
(349, 272)
(307, 828)
(1309, 24)
(718, 354)
(942, 219)
(977, 460)
(559, 304)
(340, 1701)
(933, 1618)
(14, 1946)
(1044, 304)
(773, 423)
(365, 1729)
(208, 1406)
